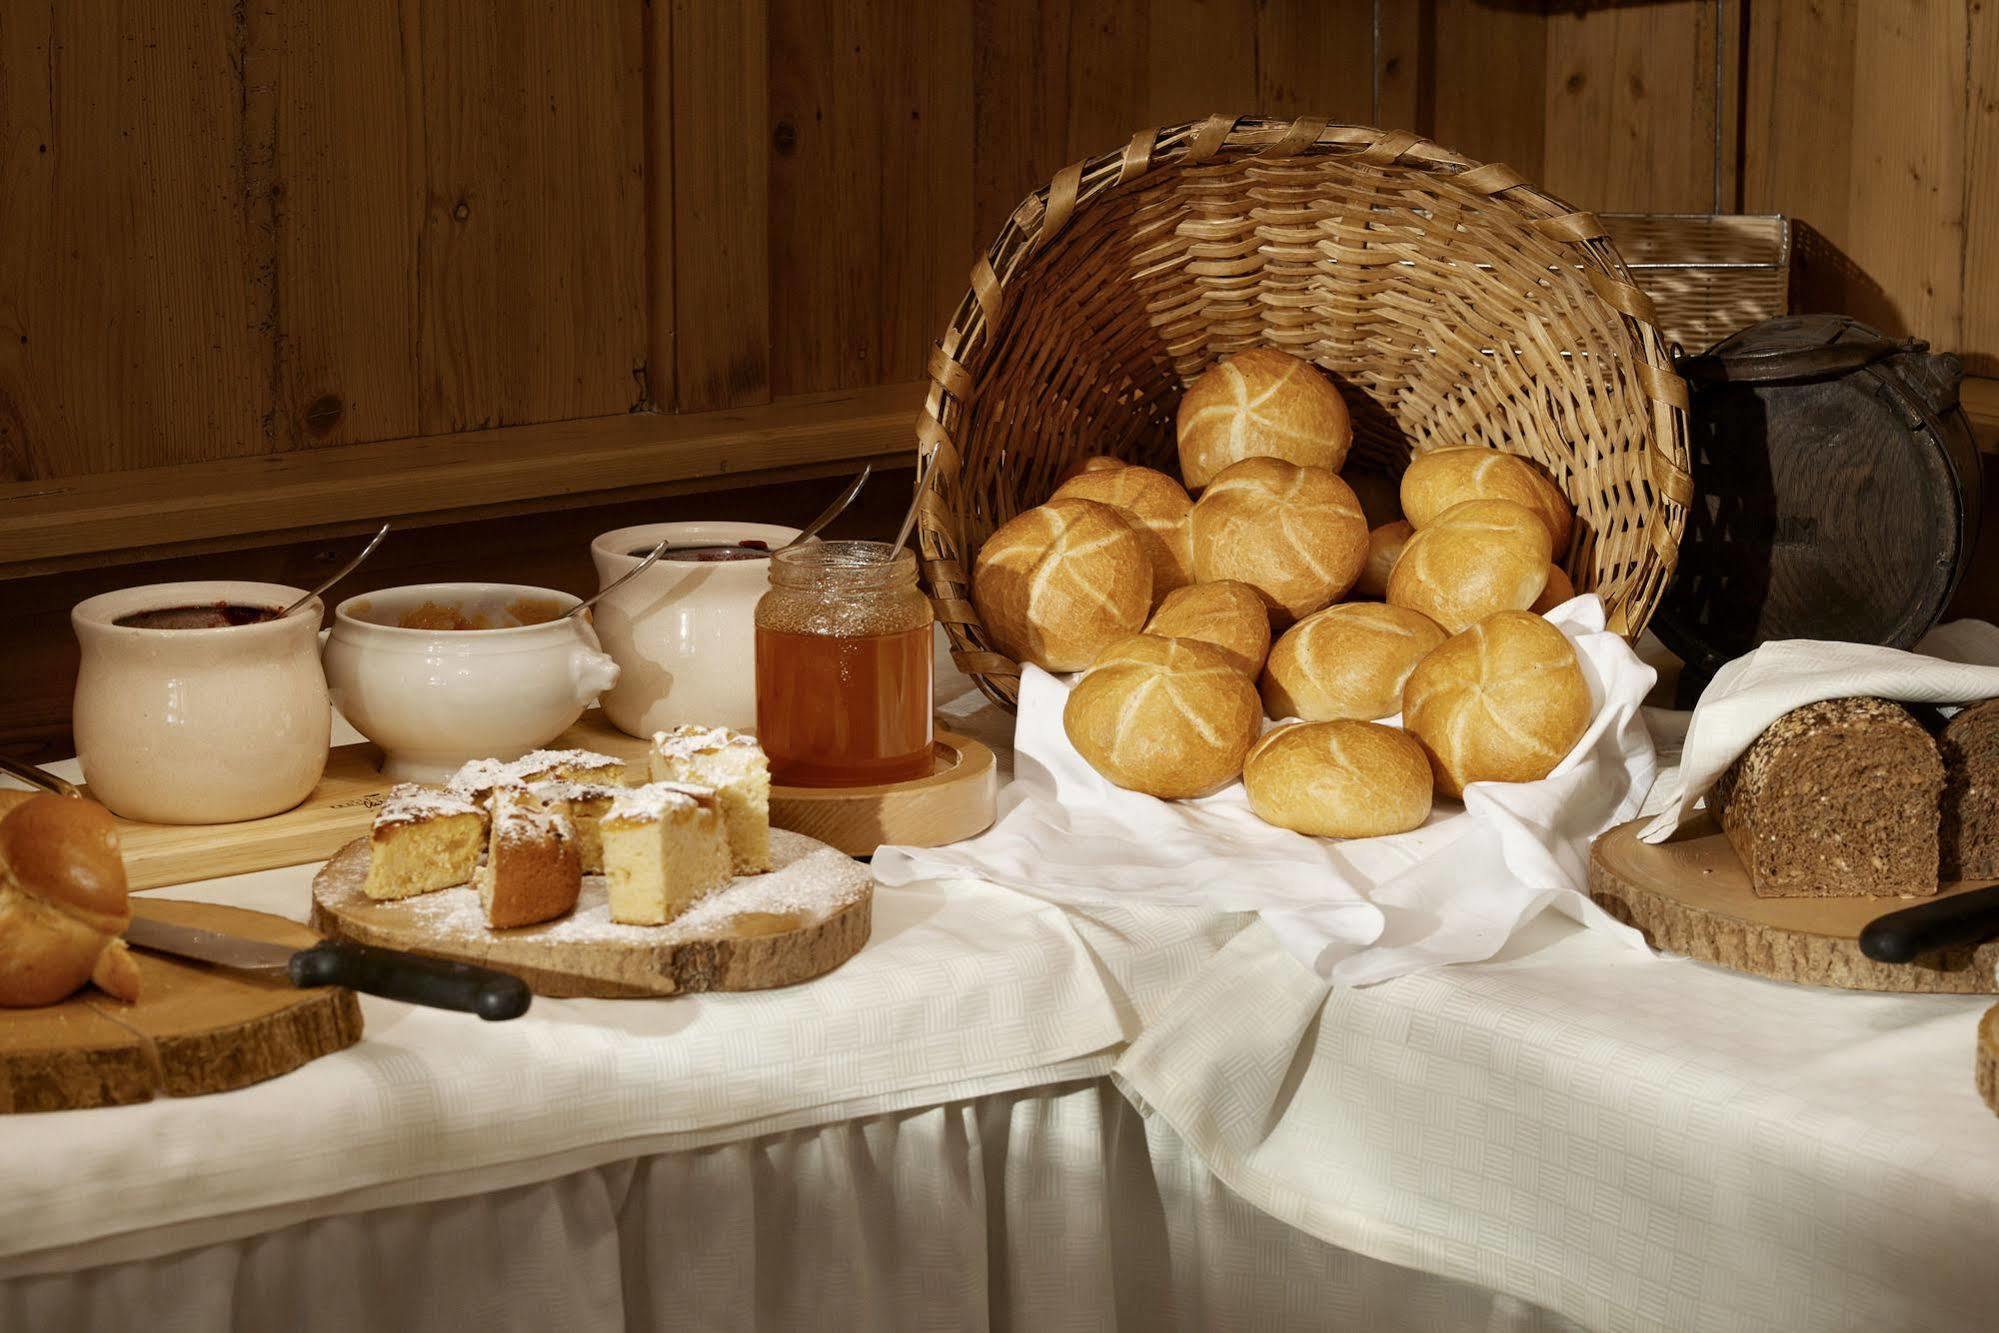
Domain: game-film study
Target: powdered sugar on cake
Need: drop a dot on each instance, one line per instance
(687, 742)
(811, 881)
(408, 803)
(540, 761)
(649, 804)
(479, 776)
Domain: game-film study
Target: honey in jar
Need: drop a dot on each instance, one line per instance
(843, 667)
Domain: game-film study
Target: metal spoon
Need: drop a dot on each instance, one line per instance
(832, 511)
(341, 572)
(618, 582)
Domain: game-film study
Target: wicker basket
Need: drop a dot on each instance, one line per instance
(1452, 303)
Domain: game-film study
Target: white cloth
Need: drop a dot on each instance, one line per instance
(1956, 663)
(1358, 911)
(1633, 1143)
(963, 989)
(1050, 1209)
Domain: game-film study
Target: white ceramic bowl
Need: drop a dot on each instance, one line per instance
(434, 698)
(683, 633)
(200, 726)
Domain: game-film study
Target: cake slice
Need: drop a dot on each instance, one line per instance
(665, 845)
(533, 871)
(477, 780)
(1836, 799)
(570, 765)
(423, 839)
(585, 803)
(734, 765)
(1968, 838)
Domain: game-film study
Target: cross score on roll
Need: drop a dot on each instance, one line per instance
(1168, 603)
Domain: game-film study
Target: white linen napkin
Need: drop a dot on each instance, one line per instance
(1357, 911)
(1956, 663)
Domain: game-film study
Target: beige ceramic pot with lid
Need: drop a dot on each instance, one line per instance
(200, 725)
(684, 632)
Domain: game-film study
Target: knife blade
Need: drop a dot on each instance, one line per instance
(390, 973)
(1955, 921)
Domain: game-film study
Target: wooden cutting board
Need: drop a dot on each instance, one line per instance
(956, 801)
(809, 915)
(194, 1029)
(1691, 896)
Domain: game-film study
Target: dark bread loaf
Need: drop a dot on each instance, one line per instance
(1968, 840)
(1837, 799)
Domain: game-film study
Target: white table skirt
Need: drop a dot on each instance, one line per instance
(1046, 1209)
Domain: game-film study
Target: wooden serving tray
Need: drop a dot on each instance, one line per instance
(194, 1028)
(1691, 896)
(1987, 1062)
(810, 914)
(956, 801)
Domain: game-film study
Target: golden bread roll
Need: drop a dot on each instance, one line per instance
(1380, 495)
(1384, 548)
(1093, 463)
(1504, 701)
(1557, 590)
(1059, 584)
(1227, 614)
(1444, 478)
(1339, 780)
(62, 902)
(1347, 661)
(1157, 509)
(1168, 717)
(1295, 534)
(1473, 559)
(1261, 403)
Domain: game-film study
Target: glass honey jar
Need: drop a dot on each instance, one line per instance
(843, 667)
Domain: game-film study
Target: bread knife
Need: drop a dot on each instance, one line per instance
(1957, 921)
(389, 973)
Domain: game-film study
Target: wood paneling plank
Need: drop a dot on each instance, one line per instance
(531, 261)
(1202, 61)
(1316, 59)
(1980, 336)
(721, 129)
(1020, 105)
(1483, 93)
(138, 300)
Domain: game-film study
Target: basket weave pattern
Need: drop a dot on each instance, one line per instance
(1452, 303)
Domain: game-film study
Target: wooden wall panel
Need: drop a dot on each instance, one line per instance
(1981, 192)
(1482, 90)
(137, 260)
(718, 175)
(1630, 97)
(1317, 58)
(532, 276)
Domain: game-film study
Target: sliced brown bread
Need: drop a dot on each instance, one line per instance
(1837, 799)
(1968, 840)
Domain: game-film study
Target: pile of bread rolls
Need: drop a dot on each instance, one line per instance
(1267, 592)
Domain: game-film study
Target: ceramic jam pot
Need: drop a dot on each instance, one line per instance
(200, 726)
(683, 632)
(433, 697)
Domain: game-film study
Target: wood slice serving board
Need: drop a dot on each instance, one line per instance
(1988, 1058)
(806, 917)
(1691, 896)
(956, 801)
(194, 1029)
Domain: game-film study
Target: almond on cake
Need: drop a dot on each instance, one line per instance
(533, 870)
(665, 845)
(423, 839)
(734, 765)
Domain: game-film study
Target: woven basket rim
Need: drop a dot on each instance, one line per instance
(1045, 212)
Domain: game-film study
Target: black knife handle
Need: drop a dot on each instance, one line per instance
(410, 977)
(1954, 922)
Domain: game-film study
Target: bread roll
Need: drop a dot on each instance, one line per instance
(1502, 702)
(1157, 509)
(1093, 463)
(1169, 717)
(1261, 403)
(1227, 614)
(1444, 478)
(1477, 558)
(1384, 548)
(62, 902)
(1347, 661)
(1295, 534)
(1339, 780)
(1557, 590)
(1059, 584)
